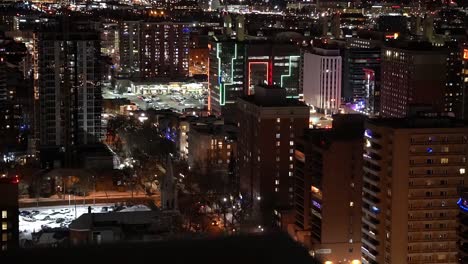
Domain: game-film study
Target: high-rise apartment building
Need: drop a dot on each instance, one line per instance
(328, 188)
(322, 74)
(9, 221)
(109, 36)
(453, 97)
(129, 48)
(236, 67)
(154, 49)
(412, 73)
(67, 89)
(268, 125)
(164, 49)
(412, 171)
(361, 74)
(464, 75)
(463, 229)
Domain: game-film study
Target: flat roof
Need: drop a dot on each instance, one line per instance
(418, 122)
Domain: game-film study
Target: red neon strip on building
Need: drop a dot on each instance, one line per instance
(268, 78)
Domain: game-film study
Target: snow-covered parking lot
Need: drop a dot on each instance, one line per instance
(35, 219)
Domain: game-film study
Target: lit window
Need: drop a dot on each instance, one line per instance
(443, 160)
(291, 151)
(291, 143)
(4, 214)
(4, 226)
(4, 247)
(276, 189)
(290, 158)
(278, 135)
(462, 171)
(351, 204)
(277, 143)
(278, 120)
(291, 166)
(276, 182)
(4, 237)
(290, 174)
(228, 146)
(277, 158)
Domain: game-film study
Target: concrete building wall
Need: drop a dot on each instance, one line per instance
(322, 81)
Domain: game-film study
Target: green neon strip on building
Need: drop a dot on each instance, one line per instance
(289, 71)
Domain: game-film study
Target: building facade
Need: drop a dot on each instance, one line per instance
(412, 171)
(361, 74)
(268, 125)
(9, 229)
(322, 74)
(210, 147)
(236, 67)
(463, 231)
(154, 49)
(412, 73)
(67, 89)
(327, 214)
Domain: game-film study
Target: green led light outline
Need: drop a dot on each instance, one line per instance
(221, 90)
(289, 71)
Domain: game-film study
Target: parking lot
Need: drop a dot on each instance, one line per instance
(175, 101)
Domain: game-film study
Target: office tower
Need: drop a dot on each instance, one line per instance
(235, 67)
(327, 190)
(164, 49)
(154, 49)
(267, 127)
(225, 75)
(67, 90)
(412, 73)
(129, 48)
(413, 168)
(361, 74)
(9, 214)
(463, 231)
(322, 79)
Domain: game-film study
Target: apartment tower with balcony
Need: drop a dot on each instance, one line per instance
(412, 171)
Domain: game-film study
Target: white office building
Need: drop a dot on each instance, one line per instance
(321, 79)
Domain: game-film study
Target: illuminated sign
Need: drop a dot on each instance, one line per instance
(392, 36)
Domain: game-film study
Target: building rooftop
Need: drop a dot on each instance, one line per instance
(419, 122)
(413, 45)
(270, 248)
(271, 96)
(229, 131)
(111, 219)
